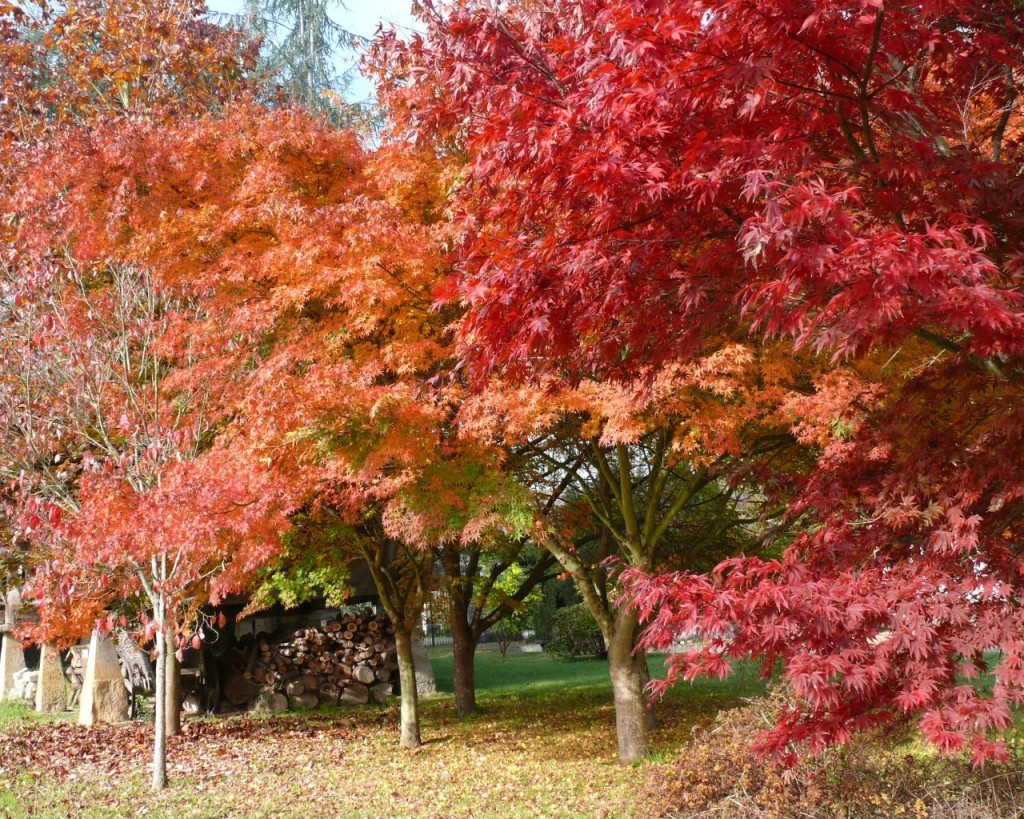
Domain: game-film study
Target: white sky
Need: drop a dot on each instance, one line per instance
(358, 16)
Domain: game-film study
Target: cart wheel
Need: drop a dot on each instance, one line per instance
(129, 684)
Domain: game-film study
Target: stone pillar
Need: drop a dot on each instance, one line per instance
(51, 694)
(104, 697)
(12, 657)
(425, 682)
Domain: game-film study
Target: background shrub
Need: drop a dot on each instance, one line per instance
(575, 634)
(555, 594)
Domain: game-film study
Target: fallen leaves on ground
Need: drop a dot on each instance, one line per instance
(204, 749)
(551, 756)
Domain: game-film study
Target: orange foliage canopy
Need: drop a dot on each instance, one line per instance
(65, 64)
(306, 269)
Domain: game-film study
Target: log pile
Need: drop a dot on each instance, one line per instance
(349, 660)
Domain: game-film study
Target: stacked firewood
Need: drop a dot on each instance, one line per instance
(348, 660)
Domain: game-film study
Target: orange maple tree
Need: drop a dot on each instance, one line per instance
(310, 264)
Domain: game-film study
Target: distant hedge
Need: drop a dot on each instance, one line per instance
(575, 634)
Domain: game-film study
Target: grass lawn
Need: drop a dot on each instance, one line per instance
(542, 745)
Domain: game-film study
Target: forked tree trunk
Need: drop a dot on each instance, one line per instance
(160, 695)
(410, 699)
(631, 707)
(173, 698)
(464, 645)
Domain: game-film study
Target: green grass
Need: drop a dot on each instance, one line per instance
(16, 712)
(529, 674)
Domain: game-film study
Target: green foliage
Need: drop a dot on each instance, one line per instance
(843, 428)
(555, 594)
(508, 583)
(15, 713)
(301, 44)
(575, 634)
(544, 611)
(313, 564)
(466, 496)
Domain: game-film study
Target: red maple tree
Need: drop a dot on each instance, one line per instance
(640, 175)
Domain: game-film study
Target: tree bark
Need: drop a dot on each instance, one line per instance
(160, 721)
(173, 697)
(464, 644)
(631, 707)
(410, 699)
(644, 670)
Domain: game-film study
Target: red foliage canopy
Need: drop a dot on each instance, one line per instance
(641, 175)
(839, 171)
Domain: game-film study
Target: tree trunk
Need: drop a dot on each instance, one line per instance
(630, 700)
(464, 644)
(640, 657)
(160, 721)
(410, 699)
(173, 697)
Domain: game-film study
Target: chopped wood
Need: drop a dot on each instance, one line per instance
(304, 701)
(238, 689)
(355, 694)
(329, 692)
(337, 661)
(364, 674)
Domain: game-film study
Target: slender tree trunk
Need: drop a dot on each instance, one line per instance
(173, 697)
(640, 657)
(630, 700)
(160, 721)
(464, 644)
(410, 698)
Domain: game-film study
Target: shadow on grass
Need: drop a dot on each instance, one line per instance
(537, 693)
(537, 674)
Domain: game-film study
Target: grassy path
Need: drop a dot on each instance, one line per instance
(543, 745)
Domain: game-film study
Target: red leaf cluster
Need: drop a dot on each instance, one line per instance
(638, 172)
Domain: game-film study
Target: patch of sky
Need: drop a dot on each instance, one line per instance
(359, 17)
